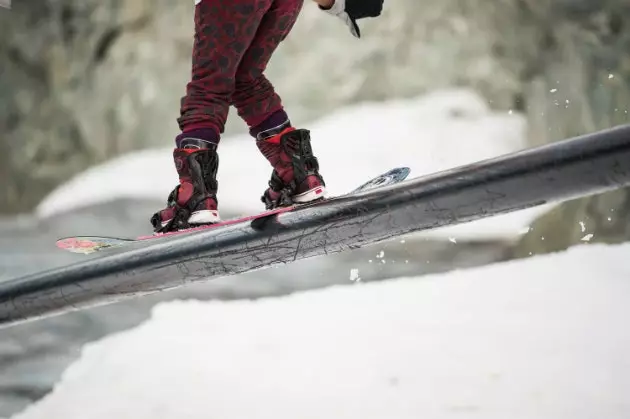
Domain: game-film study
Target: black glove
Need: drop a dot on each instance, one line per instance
(351, 10)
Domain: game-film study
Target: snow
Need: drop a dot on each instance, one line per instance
(430, 133)
(544, 337)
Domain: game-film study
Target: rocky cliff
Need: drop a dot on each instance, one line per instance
(84, 80)
(574, 71)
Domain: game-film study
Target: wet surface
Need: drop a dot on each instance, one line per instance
(560, 171)
(34, 354)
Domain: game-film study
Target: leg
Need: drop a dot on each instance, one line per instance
(254, 96)
(223, 32)
(295, 177)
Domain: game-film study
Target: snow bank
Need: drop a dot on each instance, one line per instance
(430, 133)
(540, 338)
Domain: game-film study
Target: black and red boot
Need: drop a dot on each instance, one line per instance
(194, 201)
(295, 178)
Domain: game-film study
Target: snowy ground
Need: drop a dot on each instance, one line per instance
(430, 133)
(545, 337)
(537, 338)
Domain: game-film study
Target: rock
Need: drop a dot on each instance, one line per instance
(577, 81)
(87, 80)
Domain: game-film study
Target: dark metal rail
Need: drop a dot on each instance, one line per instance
(560, 171)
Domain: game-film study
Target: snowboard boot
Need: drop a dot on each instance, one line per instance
(194, 201)
(295, 177)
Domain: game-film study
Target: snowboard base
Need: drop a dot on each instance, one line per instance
(91, 244)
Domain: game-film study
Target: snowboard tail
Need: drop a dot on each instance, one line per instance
(92, 244)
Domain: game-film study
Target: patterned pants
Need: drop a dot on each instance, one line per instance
(234, 40)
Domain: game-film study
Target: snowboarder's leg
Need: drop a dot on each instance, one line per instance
(295, 177)
(223, 32)
(254, 96)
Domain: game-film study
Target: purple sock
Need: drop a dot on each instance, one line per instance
(204, 134)
(274, 124)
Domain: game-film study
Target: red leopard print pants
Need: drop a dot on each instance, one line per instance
(234, 40)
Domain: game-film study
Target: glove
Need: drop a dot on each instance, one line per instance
(351, 10)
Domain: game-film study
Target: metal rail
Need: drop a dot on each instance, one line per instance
(560, 171)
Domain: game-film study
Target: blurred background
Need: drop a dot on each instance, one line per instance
(87, 86)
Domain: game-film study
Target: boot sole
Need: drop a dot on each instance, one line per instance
(204, 217)
(212, 216)
(201, 217)
(318, 192)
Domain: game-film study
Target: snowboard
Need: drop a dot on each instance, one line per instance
(91, 244)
